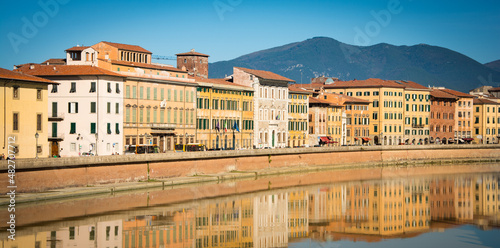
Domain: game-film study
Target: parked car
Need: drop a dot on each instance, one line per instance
(87, 154)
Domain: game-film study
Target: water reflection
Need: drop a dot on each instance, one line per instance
(357, 211)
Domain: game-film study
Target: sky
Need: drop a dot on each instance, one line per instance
(34, 31)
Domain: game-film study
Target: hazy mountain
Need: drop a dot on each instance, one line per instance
(495, 65)
(425, 64)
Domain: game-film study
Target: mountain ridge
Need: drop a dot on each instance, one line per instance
(318, 56)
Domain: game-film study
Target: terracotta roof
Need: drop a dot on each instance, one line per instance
(316, 100)
(496, 89)
(340, 99)
(219, 81)
(437, 93)
(192, 52)
(19, 76)
(411, 84)
(266, 74)
(294, 88)
(145, 65)
(77, 48)
(66, 70)
(457, 93)
(55, 61)
(134, 48)
(481, 101)
(368, 83)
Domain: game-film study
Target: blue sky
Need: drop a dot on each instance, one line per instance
(226, 29)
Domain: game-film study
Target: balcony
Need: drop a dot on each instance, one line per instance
(56, 137)
(56, 116)
(414, 125)
(163, 126)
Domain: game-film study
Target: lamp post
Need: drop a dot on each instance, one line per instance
(36, 147)
(186, 138)
(79, 147)
(146, 141)
(96, 137)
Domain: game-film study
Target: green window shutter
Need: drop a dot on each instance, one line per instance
(175, 95)
(127, 91)
(73, 128)
(127, 115)
(117, 108)
(117, 128)
(169, 95)
(162, 94)
(155, 93)
(134, 115)
(169, 114)
(148, 93)
(148, 116)
(154, 116)
(162, 116)
(181, 95)
(141, 92)
(108, 107)
(92, 107)
(109, 128)
(92, 127)
(141, 115)
(134, 92)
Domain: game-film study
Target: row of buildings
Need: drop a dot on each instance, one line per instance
(370, 211)
(106, 97)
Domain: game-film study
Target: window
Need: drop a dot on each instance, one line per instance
(92, 87)
(39, 122)
(72, 107)
(109, 87)
(117, 88)
(117, 108)
(92, 108)
(108, 107)
(141, 92)
(73, 87)
(109, 128)
(39, 94)
(148, 93)
(72, 128)
(54, 88)
(92, 128)
(15, 122)
(155, 94)
(134, 92)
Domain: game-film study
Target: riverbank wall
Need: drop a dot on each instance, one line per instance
(39, 175)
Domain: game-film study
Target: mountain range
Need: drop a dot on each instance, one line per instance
(323, 56)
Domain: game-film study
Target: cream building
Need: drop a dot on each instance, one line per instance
(270, 106)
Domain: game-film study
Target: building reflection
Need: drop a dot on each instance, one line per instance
(358, 211)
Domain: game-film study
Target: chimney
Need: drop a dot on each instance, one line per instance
(32, 67)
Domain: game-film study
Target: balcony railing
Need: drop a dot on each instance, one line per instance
(56, 116)
(56, 136)
(163, 125)
(417, 125)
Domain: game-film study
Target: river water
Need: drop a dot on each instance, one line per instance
(452, 206)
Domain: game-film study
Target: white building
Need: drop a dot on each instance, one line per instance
(270, 106)
(85, 110)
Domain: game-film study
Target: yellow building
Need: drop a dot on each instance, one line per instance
(298, 218)
(416, 113)
(24, 113)
(486, 121)
(297, 116)
(386, 97)
(224, 114)
(159, 100)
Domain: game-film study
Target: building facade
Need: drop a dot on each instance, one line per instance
(24, 115)
(486, 121)
(224, 114)
(442, 117)
(463, 115)
(270, 105)
(159, 100)
(297, 116)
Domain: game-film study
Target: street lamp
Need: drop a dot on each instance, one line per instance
(96, 137)
(186, 138)
(36, 147)
(79, 146)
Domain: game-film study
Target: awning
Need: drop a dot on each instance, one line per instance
(331, 141)
(366, 139)
(324, 139)
(468, 139)
(356, 139)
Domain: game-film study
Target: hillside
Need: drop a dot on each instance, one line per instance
(425, 64)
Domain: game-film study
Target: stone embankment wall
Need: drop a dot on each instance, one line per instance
(37, 175)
